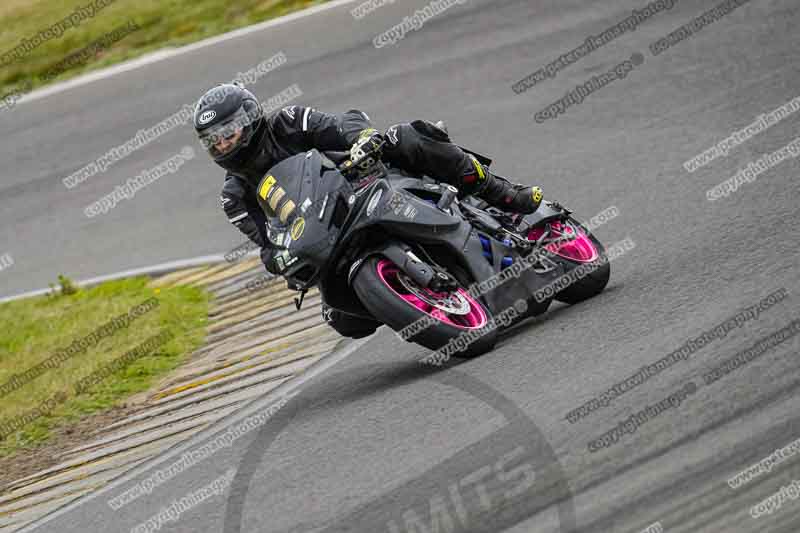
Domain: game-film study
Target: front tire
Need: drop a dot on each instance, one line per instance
(395, 300)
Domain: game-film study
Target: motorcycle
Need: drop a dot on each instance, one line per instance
(405, 251)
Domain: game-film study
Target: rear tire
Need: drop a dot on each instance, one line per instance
(590, 285)
(388, 306)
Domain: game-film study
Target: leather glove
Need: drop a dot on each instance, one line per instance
(271, 249)
(370, 142)
(268, 258)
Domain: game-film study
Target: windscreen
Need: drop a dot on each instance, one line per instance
(299, 195)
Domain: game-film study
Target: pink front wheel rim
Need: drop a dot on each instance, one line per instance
(579, 248)
(476, 317)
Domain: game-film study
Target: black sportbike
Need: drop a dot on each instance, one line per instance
(404, 251)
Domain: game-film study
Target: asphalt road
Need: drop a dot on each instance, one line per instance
(379, 442)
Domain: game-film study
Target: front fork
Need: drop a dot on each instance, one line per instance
(401, 254)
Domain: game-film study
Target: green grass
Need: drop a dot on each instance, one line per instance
(32, 330)
(162, 23)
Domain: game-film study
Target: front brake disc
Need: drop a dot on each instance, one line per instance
(453, 303)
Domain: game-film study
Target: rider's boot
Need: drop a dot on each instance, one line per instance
(500, 193)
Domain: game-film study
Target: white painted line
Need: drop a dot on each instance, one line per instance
(168, 53)
(288, 390)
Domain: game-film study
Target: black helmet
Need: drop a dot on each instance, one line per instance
(221, 114)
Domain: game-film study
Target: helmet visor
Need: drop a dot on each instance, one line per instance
(225, 137)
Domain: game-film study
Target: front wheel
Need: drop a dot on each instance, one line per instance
(421, 315)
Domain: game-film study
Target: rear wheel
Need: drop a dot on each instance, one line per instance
(421, 315)
(579, 246)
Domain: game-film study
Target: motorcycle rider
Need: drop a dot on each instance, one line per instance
(232, 126)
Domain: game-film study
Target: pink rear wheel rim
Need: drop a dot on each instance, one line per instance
(474, 319)
(577, 246)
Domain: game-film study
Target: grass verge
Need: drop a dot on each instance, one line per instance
(142, 26)
(67, 356)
